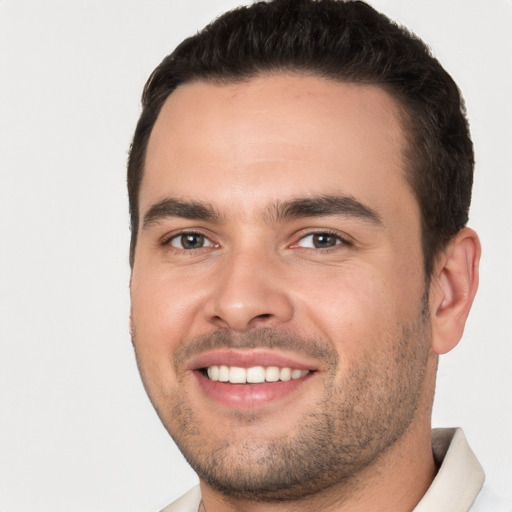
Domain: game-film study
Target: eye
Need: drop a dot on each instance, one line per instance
(189, 241)
(320, 241)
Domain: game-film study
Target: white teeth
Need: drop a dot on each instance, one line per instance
(285, 374)
(223, 373)
(296, 374)
(256, 374)
(272, 374)
(213, 372)
(237, 375)
(253, 375)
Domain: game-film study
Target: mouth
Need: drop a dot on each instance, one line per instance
(250, 379)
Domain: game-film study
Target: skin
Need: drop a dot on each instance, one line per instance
(258, 285)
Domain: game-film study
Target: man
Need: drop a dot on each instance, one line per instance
(299, 182)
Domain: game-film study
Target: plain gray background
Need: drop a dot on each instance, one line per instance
(77, 432)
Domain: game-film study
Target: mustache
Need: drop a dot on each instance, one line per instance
(265, 337)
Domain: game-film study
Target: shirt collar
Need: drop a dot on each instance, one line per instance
(460, 476)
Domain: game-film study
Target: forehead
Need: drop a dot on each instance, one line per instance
(284, 134)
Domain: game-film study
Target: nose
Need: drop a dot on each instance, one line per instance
(250, 291)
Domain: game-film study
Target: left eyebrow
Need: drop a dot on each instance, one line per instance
(172, 207)
(321, 206)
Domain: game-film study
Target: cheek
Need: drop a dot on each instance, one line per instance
(163, 314)
(358, 308)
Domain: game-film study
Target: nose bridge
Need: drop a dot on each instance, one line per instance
(249, 291)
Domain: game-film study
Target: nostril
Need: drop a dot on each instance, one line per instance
(244, 307)
(263, 319)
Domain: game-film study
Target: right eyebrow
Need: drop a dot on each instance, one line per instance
(172, 207)
(324, 205)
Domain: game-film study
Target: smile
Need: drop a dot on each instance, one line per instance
(254, 374)
(249, 379)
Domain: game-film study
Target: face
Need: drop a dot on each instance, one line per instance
(278, 311)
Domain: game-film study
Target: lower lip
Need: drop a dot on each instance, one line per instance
(248, 396)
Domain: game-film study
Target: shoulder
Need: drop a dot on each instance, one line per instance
(189, 502)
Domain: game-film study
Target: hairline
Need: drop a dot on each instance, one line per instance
(401, 111)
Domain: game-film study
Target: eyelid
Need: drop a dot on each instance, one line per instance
(167, 238)
(345, 240)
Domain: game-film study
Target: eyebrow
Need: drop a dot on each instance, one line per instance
(317, 206)
(172, 207)
(322, 206)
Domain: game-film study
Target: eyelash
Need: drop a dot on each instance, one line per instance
(167, 241)
(339, 241)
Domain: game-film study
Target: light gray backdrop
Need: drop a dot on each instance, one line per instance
(77, 432)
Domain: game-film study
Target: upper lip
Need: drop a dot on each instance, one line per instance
(247, 358)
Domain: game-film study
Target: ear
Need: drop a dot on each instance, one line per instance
(453, 288)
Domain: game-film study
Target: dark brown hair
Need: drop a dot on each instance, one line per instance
(343, 41)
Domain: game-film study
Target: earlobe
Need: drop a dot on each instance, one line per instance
(453, 289)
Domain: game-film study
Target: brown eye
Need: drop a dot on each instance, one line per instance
(322, 240)
(188, 241)
(319, 241)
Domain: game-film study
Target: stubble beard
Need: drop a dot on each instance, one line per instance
(353, 423)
